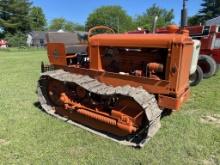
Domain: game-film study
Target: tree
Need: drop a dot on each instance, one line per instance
(146, 19)
(16, 40)
(79, 27)
(111, 16)
(14, 16)
(194, 20)
(57, 24)
(71, 26)
(61, 23)
(68, 26)
(37, 18)
(210, 9)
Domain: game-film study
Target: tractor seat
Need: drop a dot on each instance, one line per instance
(74, 43)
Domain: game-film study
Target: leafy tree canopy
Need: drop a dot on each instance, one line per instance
(146, 19)
(111, 16)
(38, 20)
(194, 20)
(62, 23)
(14, 16)
(209, 9)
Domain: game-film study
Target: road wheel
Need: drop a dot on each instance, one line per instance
(208, 65)
(196, 77)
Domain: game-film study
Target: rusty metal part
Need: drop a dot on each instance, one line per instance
(81, 93)
(155, 67)
(172, 28)
(100, 121)
(90, 33)
(138, 73)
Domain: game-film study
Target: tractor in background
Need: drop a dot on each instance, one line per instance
(208, 51)
(209, 36)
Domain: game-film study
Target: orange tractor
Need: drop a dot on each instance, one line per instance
(116, 85)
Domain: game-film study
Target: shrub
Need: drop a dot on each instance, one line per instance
(16, 40)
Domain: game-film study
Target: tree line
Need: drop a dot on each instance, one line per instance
(22, 16)
(209, 9)
(17, 18)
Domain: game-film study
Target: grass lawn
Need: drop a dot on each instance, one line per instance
(28, 136)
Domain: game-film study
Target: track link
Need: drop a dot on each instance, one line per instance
(142, 97)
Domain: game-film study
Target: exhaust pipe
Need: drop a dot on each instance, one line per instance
(155, 24)
(184, 15)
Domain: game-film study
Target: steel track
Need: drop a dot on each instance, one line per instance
(142, 97)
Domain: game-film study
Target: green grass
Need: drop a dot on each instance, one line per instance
(28, 136)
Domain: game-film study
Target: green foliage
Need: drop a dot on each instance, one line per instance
(79, 27)
(16, 40)
(57, 24)
(194, 20)
(14, 15)
(17, 18)
(111, 16)
(146, 19)
(70, 26)
(37, 18)
(209, 9)
(2, 35)
(61, 23)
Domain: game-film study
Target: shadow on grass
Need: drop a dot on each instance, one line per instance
(166, 113)
(37, 105)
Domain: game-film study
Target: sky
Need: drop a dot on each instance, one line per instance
(78, 10)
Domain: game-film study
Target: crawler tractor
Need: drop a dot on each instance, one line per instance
(115, 85)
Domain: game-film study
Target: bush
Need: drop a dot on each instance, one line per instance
(1, 35)
(16, 40)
